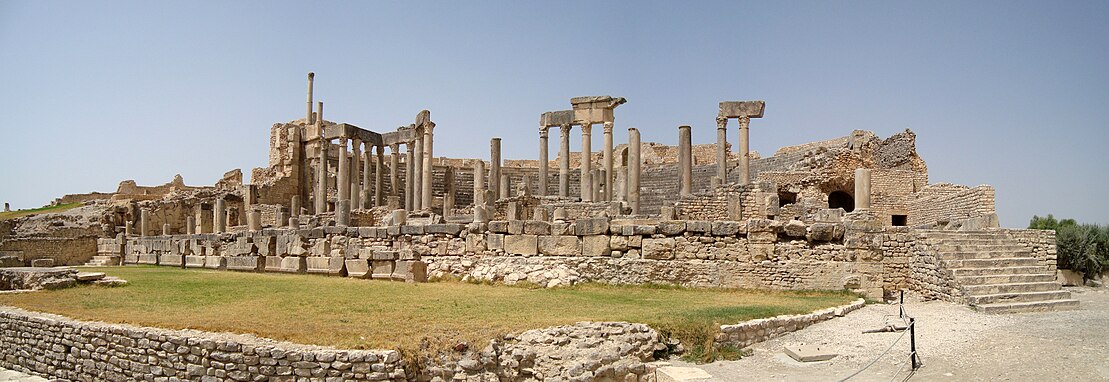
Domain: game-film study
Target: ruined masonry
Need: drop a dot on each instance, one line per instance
(854, 212)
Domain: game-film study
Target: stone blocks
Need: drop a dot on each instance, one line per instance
(194, 261)
(596, 245)
(358, 268)
(246, 263)
(410, 271)
(293, 264)
(526, 245)
(560, 246)
(658, 249)
(330, 265)
(591, 226)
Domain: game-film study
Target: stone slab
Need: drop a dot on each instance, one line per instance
(559, 246)
(410, 271)
(194, 261)
(526, 245)
(596, 245)
(331, 265)
(147, 258)
(215, 262)
(382, 269)
(171, 260)
(358, 268)
(293, 264)
(245, 263)
(272, 263)
(736, 109)
(809, 353)
(679, 374)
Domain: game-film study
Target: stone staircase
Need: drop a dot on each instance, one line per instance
(103, 261)
(998, 275)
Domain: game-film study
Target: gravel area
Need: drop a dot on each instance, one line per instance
(954, 342)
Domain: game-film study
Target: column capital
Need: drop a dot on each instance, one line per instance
(355, 141)
(428, 128)
(394, 147)
(586, 128)
(543, 131)
(608, 127)
(744, 121)
(721, 122)
(565, 129)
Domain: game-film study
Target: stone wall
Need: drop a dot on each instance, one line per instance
(947, 202)
(64, 251)
(1038, 241)
(748, 333)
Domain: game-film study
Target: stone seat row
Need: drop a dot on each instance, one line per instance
(381, 265)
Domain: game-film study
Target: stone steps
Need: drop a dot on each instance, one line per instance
(992, 263)
(1016, 287)
(1012, 297)
(103, 261)
(983, 255)
(1005, 278)
(1021, 270)
(949, 247)
(1031, 306)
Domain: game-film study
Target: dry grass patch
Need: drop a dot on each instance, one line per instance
(40, 210)
(362, 314)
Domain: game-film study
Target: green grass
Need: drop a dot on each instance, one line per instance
(360, 314)
(47, 209)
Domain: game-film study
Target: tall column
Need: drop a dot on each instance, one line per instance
(685, 160)
(862, 189)
(564, 161)
(308, 117)
(342, 178)
(409, 169)
(356, 174)
(321, 169)
(722, 149)
(190, 225)
(448, 191)
(586, 166)
(608, 161)
(418, 176)
(294, 206)
(367, 202)
(394, 165)
(144, 222)
(425, 182)
(633, 169)
(495, 168)
(542, 161)
(479, 182)
(219, 216)
(379, 177)
(744, 151)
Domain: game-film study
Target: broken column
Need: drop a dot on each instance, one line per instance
(342, 212)
(862, 189)
(448, 191)
(633, 169)
(219, 216)
(479, 182)
(379, 177)
(495, 168)
(586, 165)
(542, 161)
(190, 225)
(309, 117)
(254, 220)
(722, 149)
(564, 161)
(685, 160)
(607, 159)
(343, 176)
(144, 222)
(743, 111)
(356, 174)
(294, 206)
(165, 229)
(505, 189)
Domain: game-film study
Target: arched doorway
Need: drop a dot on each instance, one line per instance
(840, 199)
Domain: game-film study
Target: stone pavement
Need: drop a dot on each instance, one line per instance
(15, 376)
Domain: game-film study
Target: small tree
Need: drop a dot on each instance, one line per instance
(1080, 247)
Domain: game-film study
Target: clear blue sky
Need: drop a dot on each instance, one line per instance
(1013, 94)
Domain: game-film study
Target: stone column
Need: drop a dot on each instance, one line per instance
(418, 175)
(425, 182)
(144, 222)
(279, 217)
(479, 182)
(505, 189)
(744, 151)
(448, 191)
(607, 180)
(633, 169)
(190, 225)
(586, 166)
(409, 169)
(165, 229)
(254, 220)
(321, 178)
(598, 187)
(342, 178)
(294, 206)
(219, 216)
(308, 117)
(564, 161)
(495, 168)
(367, 201)
(127, 230)
(722, 149)
(543, 175)
(862, 189)
(394, 163)
(356, 174)
(685, 160)
(379, 177)
(342, 212)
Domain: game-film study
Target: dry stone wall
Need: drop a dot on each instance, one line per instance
(946, 202)
(748, 333)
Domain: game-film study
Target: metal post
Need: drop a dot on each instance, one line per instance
(901, 307)
(912, 343)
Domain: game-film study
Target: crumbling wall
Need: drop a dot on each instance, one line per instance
(948, 202)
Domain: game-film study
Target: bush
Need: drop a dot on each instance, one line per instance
(1080, 247)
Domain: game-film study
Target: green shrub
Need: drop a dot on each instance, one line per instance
(1079, 247)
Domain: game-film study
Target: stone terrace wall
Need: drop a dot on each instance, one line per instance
(950, 202)
(1039, 241)
(748, 333)
(64, 251)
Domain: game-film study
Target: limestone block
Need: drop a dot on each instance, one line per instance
(216, 262)
(393, 231)
(644, 230)
(794, 228)
(830, 215)
(358, 268)
(698, 226)
(591, 226)
(382, 255)
(494, 241)
(412, 230)
(521, 244)
(194, 261)
(171, 260)
(41, 263)
(332, 265)
(265, 245)
(596, 245)
(537, 227)
(273, 263)
(293, 264)
(560, 245)
(560, 228)
(760, 252)
(671, 227)
(618, 242)
(246, 263)
(822, 232)
(475, 243)
(410, 271)
(635, 241)
(382, 269)
(658, 249)
(498, 226)
(321, 247)
(515, 227)
(449, 229)
(725, 228)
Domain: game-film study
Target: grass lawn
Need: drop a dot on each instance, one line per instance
(349, 313)
(40, 210)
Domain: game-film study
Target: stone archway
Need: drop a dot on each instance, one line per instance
(840, 199)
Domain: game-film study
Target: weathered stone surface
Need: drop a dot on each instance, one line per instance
(448, 229)
(358, 268)
(537, 227)
(559, 246)
(658, 249)
(331, 265)
(171, 260)
(410, 271)
(794, 228)
(23, 278)
(90, 276)
(725, 228)
(215, 262)
(591, 226)
(671, 227)
(42, 263)
(293, 264)
(194, 261)
(696, 226)
(382, 269)
(246, 263)
(525, 245)
(498, 226)
(595, 245)
(495, 241)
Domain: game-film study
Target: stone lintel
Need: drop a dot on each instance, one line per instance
(556, 118)
(737, 109)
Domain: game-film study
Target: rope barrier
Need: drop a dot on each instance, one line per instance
(880, 355)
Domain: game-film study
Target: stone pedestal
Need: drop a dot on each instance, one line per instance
(685, 160)
(505, 190)
(165, 229)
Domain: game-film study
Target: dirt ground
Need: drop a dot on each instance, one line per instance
(954, 343)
